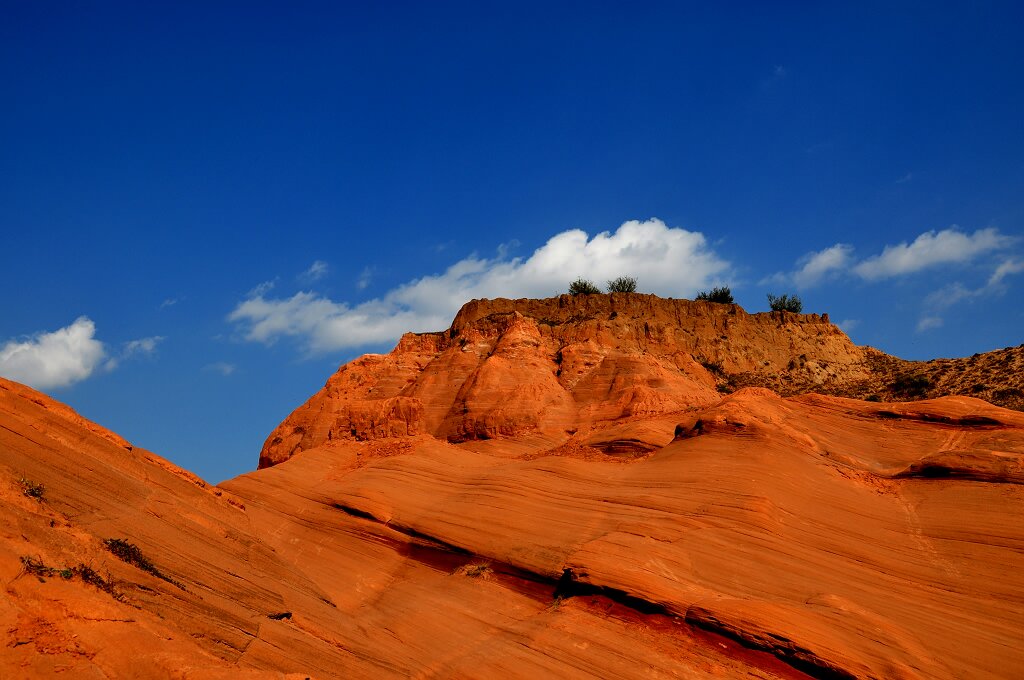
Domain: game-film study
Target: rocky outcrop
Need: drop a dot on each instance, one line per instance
(574, 487)
(560, 366)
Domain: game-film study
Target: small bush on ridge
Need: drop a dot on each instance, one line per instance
(720, 294)
(582, 286)
(623, 284)
(785, 303)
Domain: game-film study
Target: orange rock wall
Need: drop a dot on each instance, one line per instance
(555, 367)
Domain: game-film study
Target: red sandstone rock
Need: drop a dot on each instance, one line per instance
(542, 491)
(507, 368)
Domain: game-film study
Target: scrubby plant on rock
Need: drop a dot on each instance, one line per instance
(583, 286)
(623, 284)
(785, 303)
(720, 294)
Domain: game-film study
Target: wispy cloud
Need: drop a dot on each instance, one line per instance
(928, 323)
(222, 367)
(134, 349)
(778, 74)
(316, 271)
(952, 294)
(1006, 268)
(169, 302)
(668, 261)
(141, 347)
(955, 293)
(261, 289)
(815, 267)
(56, 359)
(930, 249)
(365, 277)
(949, 246)
(906, 178)
(847, 325)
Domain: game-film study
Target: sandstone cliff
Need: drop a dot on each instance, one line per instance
(560, 366)
(574, 487)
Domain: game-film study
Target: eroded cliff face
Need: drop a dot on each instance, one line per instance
(550, 488)
(561, 366)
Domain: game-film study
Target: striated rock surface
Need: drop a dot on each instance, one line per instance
(560, 366)
(550, 488)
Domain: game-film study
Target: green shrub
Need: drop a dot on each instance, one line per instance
(130, 553)
(785, 303)
(36, 567)
(720, 294)
(911, 385)
(582, 286)
(623, 284)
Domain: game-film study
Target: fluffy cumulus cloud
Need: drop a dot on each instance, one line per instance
(949, 246)
(58, 359)
(667, 261)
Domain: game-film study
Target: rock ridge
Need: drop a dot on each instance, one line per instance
(557, 366)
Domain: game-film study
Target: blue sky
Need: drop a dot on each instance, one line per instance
(207, 207)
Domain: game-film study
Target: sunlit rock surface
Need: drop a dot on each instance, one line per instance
(573, 487)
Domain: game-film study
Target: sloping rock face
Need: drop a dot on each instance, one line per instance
(544, 490)
(71, 608)
(231, 588)
(561, 366)
(848, 539)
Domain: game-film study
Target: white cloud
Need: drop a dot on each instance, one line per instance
(169, 302)
(667, 261)
(365, 277)
(931, 248)
(928, 323)
(141, 347)
(261, 289)
(316, 271)
(816, 266)
(847, 325)
(951, 294)
(906, 178)
(58, 359)
(1005, 269)
(955, 293)
(222, 367)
